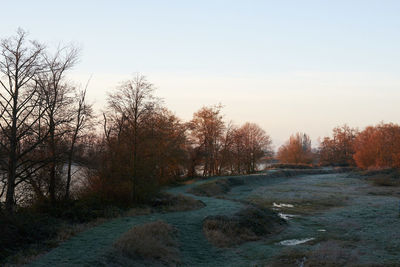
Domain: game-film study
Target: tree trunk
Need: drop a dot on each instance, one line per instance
(12, 156)
(52, 182)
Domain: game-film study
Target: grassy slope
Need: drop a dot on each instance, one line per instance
(360, 226)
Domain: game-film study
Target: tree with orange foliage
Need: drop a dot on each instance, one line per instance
(378, 147)
(144, 144)
(253, 144)
(339, 149)
(296, 150)
(207, 128)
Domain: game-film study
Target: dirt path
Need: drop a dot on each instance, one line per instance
(88, 247)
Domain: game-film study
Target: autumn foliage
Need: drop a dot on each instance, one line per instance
(378, 146)
(375, 147)
(338, 150)
(296, 150)
(217, 148)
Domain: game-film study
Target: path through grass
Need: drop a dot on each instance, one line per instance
(344, 219)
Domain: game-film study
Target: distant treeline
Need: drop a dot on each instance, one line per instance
(375, 147)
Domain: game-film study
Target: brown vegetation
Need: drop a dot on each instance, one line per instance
(224, 149)
(290, 166)
(378, 147)
(338, 150)
(296, 150)
(375, 147)
(328, 253)
(151, 243)
(170, 203)
(249, 224)
(382, 177)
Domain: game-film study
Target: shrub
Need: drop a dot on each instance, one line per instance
(383, 177)
(290, 166)
(385, 180)
(165, 202)
(24, 228)
(155, 241)
(249, 224)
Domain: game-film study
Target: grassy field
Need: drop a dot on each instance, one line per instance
(332, 220)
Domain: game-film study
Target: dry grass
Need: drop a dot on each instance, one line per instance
(303, 206)
(290, 166)
(170, 203)
(210, 189)
(329, 253)
(153, 242)
(138, 211)
(226, 233)
(332, 253)
(165, 202)
(249, 224)
(217, 187)
(385, 180)
(382, 177)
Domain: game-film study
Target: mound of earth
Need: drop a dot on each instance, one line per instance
(168, 203)
(149, 244)
(216, 188)
(249, 224)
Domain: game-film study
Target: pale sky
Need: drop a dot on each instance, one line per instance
(287, 65)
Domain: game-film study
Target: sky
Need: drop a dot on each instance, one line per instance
(289, 66)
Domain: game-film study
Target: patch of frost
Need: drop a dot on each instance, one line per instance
(286, 216)
(282, 205)
(293, 242)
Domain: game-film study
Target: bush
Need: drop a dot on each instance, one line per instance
(78, 211)
(165, 202)
(385, 180)
(155, 241)
(382, 177)
(24, 228)
(290, 166)
(216, 188)
(249, 224)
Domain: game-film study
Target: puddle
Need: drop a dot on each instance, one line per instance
(287, 216)
(293, 242)
(282, 205)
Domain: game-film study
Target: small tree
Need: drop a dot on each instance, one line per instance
(339, 149)
(128, 108)
(256, 145)
(207, 129)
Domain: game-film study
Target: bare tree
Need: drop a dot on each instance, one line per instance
(21, 60)
(128, 106)
(83, 115)
(57, 100)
